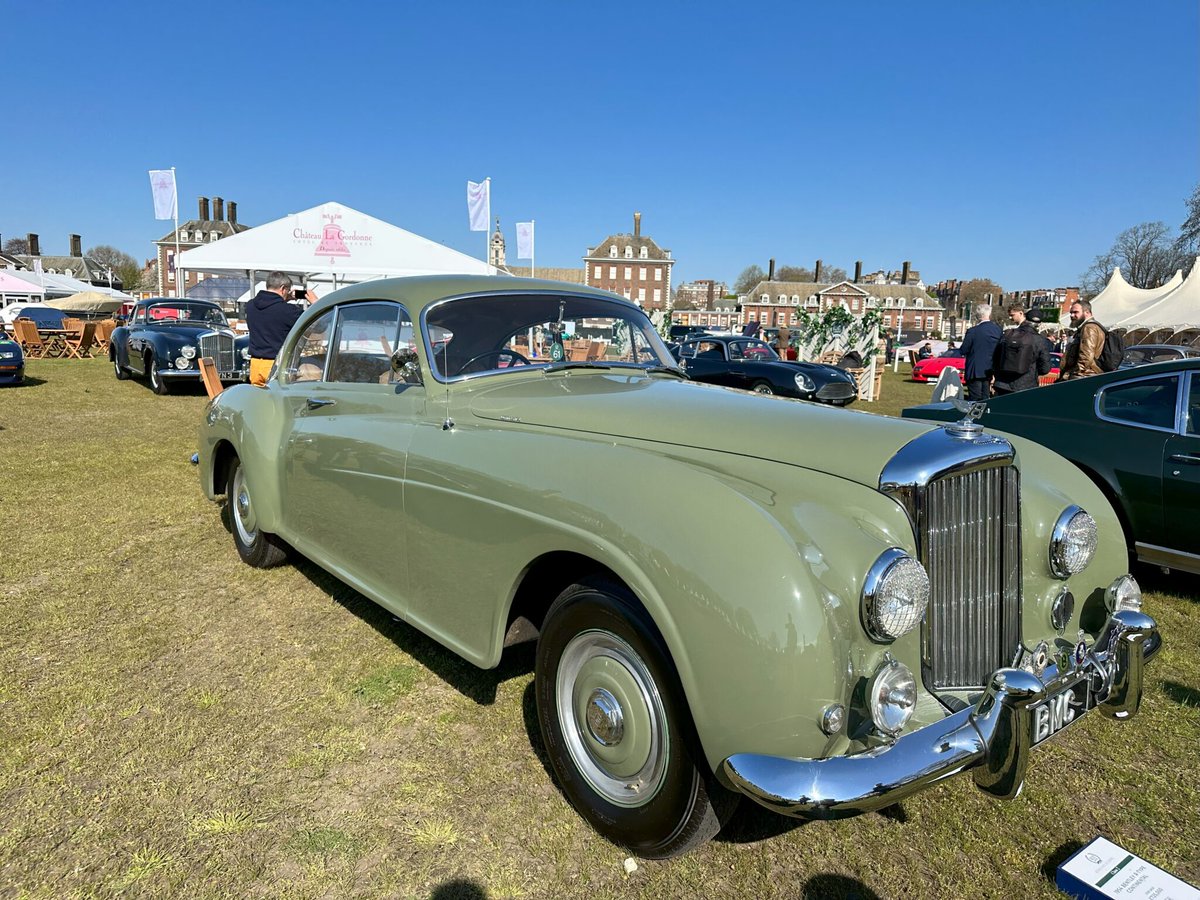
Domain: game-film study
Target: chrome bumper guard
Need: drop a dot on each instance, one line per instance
(995, 737)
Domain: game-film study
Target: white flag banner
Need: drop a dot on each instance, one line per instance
(479, 204)
(162, 185)
(524, 240)
(37, 266)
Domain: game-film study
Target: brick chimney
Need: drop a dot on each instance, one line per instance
(76, 245)
(857, 271)
(203, 209)
(771, 270)
(637, 224)
(232, 213)
(218, 209)
(904, 272)
(817, 273)
(35, 249)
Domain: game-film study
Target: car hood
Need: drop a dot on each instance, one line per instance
(849, 444)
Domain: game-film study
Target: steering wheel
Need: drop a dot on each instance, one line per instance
(518, 359)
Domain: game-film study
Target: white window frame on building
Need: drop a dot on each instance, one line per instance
(658, 274)
(612, 272)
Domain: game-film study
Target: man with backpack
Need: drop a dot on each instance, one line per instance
(1020, 357)
(1092, 349)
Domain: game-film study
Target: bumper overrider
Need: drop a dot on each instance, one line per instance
(994, 738)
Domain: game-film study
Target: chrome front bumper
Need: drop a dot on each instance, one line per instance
(995, 737)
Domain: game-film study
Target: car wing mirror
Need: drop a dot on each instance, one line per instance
(406, 364)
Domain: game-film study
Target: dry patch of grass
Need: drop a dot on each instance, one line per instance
(173, 723)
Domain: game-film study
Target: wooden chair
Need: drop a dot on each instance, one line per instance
(595, 350)
(72, 324)
(208, 374)
(79, 346)
(104, 330)
(32, 343)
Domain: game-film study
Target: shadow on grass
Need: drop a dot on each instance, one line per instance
(836, 887)
(472, 682)
(459, 889)
(1181, 693)
(1152, 579)
(1051, 863)
(28, 381)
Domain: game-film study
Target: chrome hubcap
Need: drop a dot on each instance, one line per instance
(612, 717)
(605, 720)
(243, 510)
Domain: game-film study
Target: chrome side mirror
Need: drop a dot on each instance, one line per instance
(407, 365)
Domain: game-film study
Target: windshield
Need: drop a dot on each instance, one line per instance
(183, 311)
(472, 335)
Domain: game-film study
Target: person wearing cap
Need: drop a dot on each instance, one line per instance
(1021, 355)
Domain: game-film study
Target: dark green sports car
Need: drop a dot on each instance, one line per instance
(1135, 432)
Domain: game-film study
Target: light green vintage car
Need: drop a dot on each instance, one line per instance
(732, 594)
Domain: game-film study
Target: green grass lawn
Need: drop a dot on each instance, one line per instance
(174, 723)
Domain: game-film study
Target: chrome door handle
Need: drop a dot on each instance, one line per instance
(1185, 458)
(317, 404)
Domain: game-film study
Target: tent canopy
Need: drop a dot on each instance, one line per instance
(11, 283)
(1176, 308)
(1120, 300)
(330, 242)
(58, 285)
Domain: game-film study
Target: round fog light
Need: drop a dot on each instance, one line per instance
(181, 362)
(1061, 610)
(892, 697)
(188, 351)
(1124, 593)
(833, 718)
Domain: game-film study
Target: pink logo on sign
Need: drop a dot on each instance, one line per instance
(331, 242)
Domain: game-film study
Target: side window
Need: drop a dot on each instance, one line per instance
(1193, 410)
(736, 351)
(367, 336)
(1149, 402)
(308, 356)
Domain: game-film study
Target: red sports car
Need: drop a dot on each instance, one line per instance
(930, 369)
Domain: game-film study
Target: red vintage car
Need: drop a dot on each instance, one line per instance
(931, 369)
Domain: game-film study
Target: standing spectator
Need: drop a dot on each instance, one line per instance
(270, 317)
(889, 346)
(979, 349)
(1021, 356)
(1082, 356)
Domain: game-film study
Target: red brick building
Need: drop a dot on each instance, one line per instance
(904, 306)
(631, 265)
(193, 233)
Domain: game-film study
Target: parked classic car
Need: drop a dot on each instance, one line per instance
(164, 338)
(1135, 433)
(930, 368)
(12, 361)
(1142, 354)
(731, 594)
(743, 362)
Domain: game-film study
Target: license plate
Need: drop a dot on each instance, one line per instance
(1060, 709)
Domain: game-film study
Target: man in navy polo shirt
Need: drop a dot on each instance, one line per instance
(270, 317)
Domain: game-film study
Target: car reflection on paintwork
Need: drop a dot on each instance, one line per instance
(1144, 354)
(752, 365)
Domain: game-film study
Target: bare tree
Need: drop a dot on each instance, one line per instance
(1146, 255)
(751, 275)
(829, 274)
(124, 267)
(17, 246)
(979, 290)
(1189, 231)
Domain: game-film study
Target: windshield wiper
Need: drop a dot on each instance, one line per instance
(575, 364)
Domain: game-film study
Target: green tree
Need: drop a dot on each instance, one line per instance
(124, 267)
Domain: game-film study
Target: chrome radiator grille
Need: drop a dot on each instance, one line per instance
(972, 547)
(220, 348)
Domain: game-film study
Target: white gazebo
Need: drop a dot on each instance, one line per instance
(331, 244)
(1120, 300)
(1173, 318)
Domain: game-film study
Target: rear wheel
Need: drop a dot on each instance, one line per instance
(157, 382)
(256, 547)
(762, 387)
(617, 728)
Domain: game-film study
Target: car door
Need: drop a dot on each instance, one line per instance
(705, 361)
(345, 454)
(135, 341)
(1181, 475)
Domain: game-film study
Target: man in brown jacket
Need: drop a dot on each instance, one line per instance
(1082, 356)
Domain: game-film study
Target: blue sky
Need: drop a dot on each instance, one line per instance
(1010, 140)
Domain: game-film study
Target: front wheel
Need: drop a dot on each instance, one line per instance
(617, 728)
(762, 387)
(119, 370)
(256, 547)
(160, 385)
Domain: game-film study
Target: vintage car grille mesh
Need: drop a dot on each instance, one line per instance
(972, 552)
(220, 348)
(836, 390)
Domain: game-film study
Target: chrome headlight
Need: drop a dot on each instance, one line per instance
(181, 363)
(1072, 543)
(895, 594)
(892, 697)
(1124, 593)
(188, 351)
(804, 383)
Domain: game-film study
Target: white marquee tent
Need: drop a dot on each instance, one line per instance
(50, 286)
(1176, 310)
(330, 243)
(1120, 300)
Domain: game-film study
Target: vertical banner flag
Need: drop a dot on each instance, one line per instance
(525, 240)
(479, 204)
(37, 267)
(162, 185)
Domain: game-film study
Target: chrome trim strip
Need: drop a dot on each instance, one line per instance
(994, 738)
(1166, 556)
